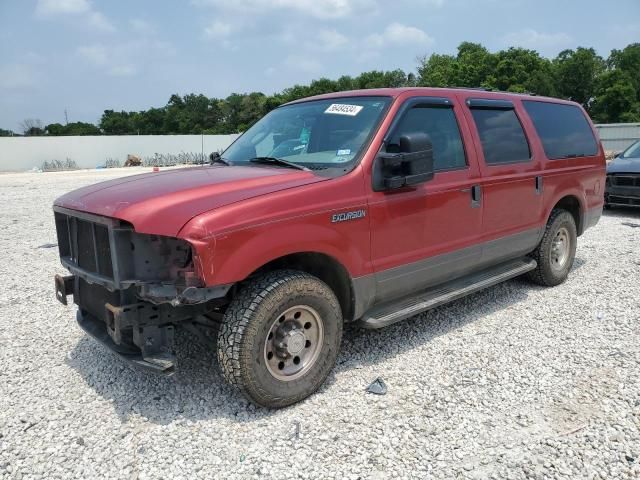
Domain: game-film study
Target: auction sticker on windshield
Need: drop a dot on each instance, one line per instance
(344, 109)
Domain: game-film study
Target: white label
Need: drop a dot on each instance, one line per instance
(346, 151)
(343, 109)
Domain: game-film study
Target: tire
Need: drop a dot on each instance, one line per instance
(556, 251)
(283, 307)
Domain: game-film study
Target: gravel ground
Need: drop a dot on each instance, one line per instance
(515, 382)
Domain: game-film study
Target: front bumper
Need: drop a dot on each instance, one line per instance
(163, 363)
(140, 332)
(622, 195)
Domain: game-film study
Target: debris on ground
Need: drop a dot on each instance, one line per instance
(377, 387)
(296, 430)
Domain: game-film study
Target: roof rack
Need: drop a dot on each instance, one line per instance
(472, 88)
(484, 89)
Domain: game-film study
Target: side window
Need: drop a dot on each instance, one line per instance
(563, 129)
(501, 135)
(441, 126)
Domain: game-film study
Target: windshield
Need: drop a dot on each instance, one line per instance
(319, 134)
(632, 152)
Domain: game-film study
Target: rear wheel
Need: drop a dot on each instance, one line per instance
(556, 251)
(280, 337)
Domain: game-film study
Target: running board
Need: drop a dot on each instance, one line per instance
(406, 307)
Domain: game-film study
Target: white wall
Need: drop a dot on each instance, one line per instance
(618, 136)
(24, 153)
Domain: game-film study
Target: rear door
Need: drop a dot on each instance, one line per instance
(511, 180)
(426, 234)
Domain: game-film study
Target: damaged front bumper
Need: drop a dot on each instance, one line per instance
(162, 361)
(140, 332)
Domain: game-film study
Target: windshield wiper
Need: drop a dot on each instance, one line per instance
(278, 161)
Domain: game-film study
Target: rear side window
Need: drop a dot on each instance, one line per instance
(441, 126)
(563, 129)
(501, 135)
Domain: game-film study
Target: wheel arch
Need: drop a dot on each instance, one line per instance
(572, 204)
(326, 268)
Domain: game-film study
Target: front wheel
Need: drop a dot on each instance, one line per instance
(556, 251)
(280, 337)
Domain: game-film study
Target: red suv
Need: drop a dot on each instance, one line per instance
(367, 206)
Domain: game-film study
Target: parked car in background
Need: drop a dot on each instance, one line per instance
(623, 178)
(368, 206)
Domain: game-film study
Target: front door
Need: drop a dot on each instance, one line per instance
(423, 235)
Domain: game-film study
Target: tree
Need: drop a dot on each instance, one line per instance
(577, 72)
(81, 128)
(323, 85)
(345, 83)
(6, 133)
(115, 123)
(609, 89)
(55, 129)
(474, 64)
(32, 126)
(438, 71)
(627, 60)
(515, 68)
(149, 122)
(616, 99)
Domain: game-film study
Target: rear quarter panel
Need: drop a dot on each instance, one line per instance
(582, 177)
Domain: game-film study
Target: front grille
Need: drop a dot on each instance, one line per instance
(84, 244)
(625, 180)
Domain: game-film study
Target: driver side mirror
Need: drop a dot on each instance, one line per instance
(411, 166)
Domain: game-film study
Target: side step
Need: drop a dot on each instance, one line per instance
(406, 307)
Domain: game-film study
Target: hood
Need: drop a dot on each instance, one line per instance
(624, 165)
(163, 202)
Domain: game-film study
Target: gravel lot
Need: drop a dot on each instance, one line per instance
(515, 382)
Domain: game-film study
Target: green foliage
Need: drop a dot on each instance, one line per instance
(616, 98)
(75, 128)
(475, 64)
(577, 73)
(438, 71)
(194, 114)
(627, 60)
(609, 89)
(117, 123)
(617, 92)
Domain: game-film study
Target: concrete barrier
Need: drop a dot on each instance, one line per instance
(25, 153)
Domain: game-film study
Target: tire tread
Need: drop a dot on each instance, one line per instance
(541, 274)
(239, 322)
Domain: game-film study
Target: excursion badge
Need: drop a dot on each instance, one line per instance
(346, 216)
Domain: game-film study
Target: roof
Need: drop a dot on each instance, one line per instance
(426, 91)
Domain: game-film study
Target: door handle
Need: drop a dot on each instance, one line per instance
(538, 184)
(476, 196)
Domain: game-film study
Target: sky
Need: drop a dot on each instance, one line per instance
(85, 56)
